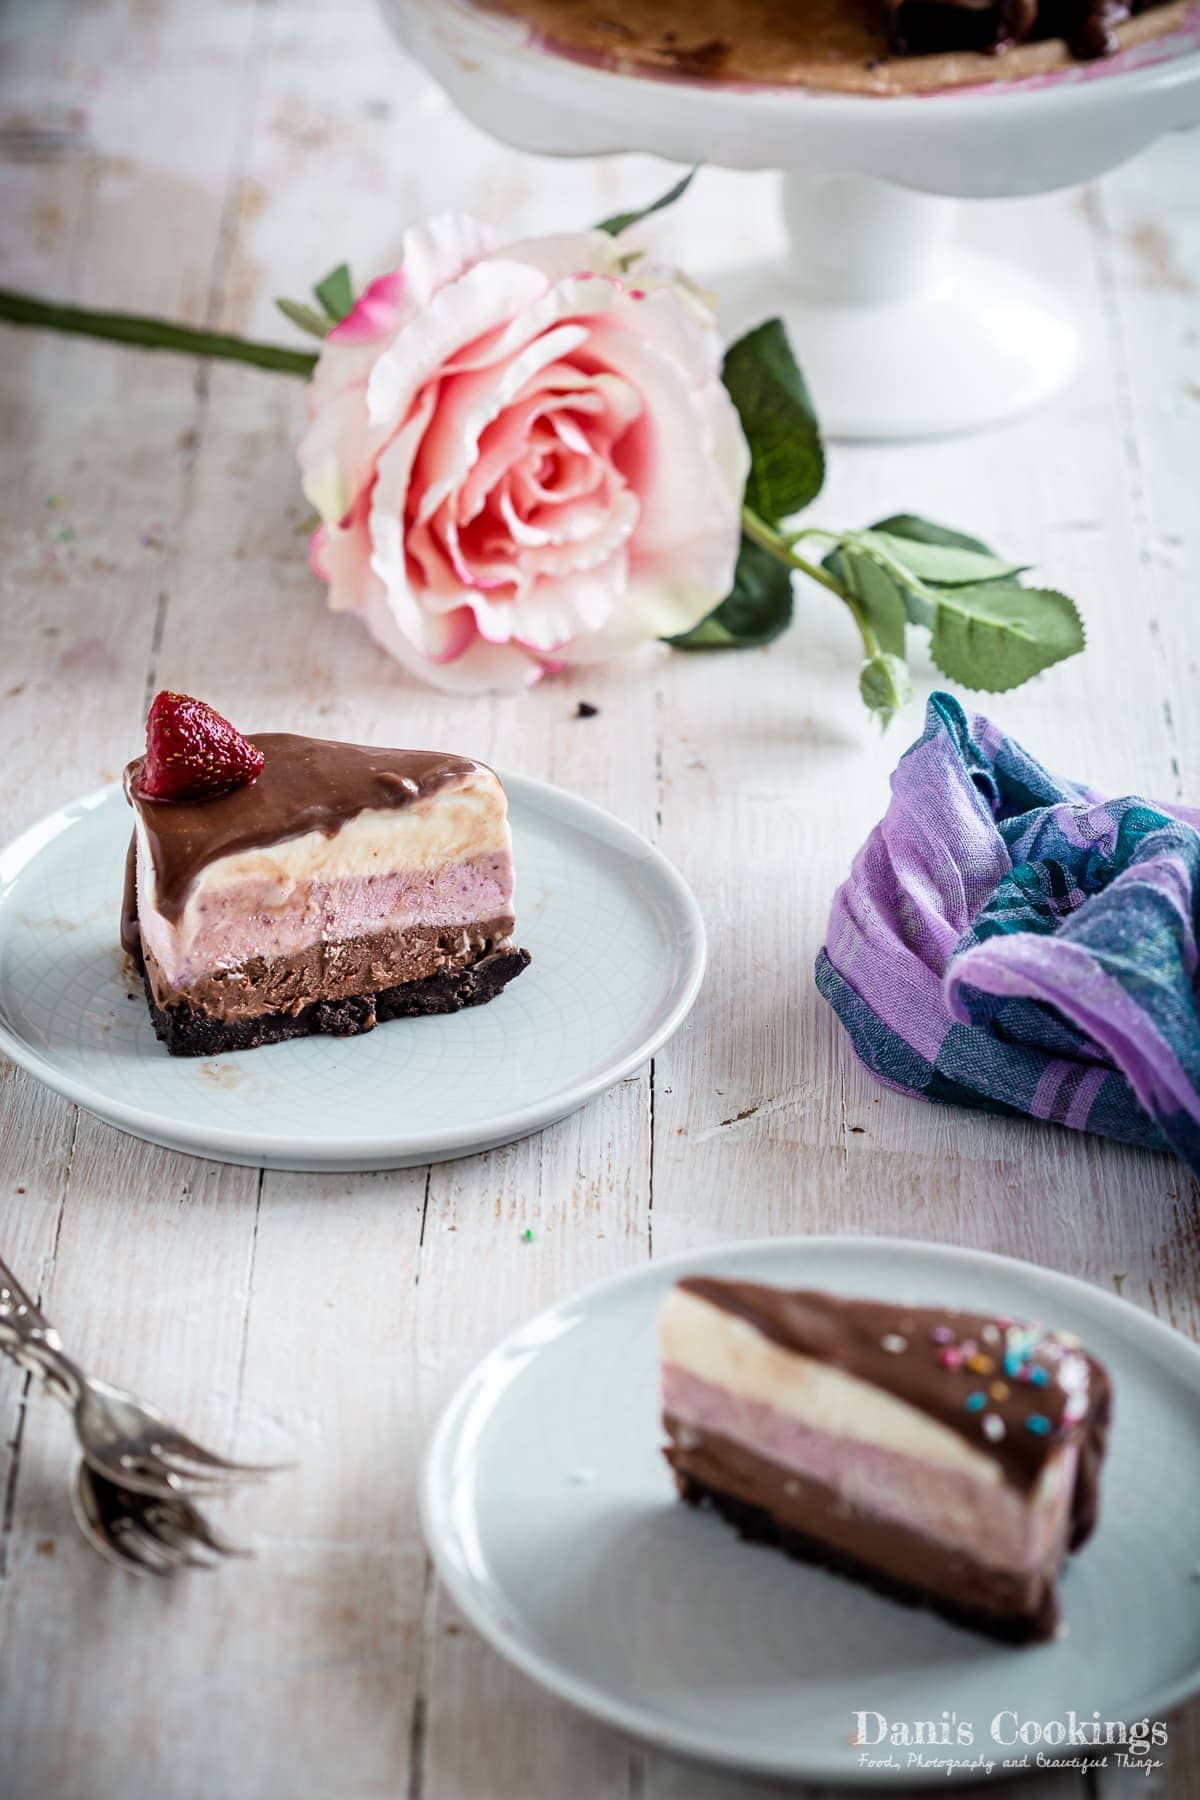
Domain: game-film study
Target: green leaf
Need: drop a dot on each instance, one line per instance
(997, 635)
(622, 221)
(757, 610)
(885, 687)
(336, 294)
(787, 461)
(881, 595)
(944, 565)
(924, 531)
(303, 316)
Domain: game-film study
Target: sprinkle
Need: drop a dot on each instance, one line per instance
(976, 1401)
(993, 1427)
(1039, 1377)
(527, 1235)
(999, 1390)
(637, 293)
(951, 1357)
(1039, 1424)
(990, 1334)
(1013, 1362)
(942, 1334)
(585, 710)
(980, 1365)
(893, 1343)
(55, 502)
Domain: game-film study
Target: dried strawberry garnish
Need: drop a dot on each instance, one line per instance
(192, 753)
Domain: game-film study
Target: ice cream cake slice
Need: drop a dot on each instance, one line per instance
(295, 886)
(948, 1458)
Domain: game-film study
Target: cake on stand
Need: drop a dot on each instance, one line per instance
(901, 333)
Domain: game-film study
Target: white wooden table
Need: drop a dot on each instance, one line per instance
(197, 160)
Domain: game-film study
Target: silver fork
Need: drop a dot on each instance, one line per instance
(147, 1534)
(130, 1443)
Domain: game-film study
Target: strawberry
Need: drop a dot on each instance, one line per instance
(192, 753)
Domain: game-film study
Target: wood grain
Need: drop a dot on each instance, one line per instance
(199, 161)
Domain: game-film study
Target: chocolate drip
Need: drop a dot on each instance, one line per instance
(307, 784)
(131, 931)
(900, 1349)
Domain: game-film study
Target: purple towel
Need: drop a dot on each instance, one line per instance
(1013, 941)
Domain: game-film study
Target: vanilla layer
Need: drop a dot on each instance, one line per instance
(726, 1351)
(998, 1527)
(443, 861)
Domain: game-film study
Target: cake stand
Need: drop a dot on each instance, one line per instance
(901, 333)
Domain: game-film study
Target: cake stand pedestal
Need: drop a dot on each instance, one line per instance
(900, 332)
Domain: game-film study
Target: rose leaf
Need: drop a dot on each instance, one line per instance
(622, 221)
(757, 609)
(787, 460)
(999, 634)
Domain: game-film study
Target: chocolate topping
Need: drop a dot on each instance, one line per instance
(307, 784)
(1013, 1391)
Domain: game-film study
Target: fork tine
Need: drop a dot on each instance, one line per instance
(179, 1445)
(173, 1540)
(136, 1549)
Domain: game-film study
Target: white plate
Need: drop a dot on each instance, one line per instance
(618, 954)
(553, 1521)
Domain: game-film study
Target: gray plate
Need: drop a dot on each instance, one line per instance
(554, 1524)
(618, 955)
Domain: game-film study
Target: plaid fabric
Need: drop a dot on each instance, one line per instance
(1012, 941)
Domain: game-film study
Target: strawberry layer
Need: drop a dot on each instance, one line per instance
(224, 925)
(995, 1525)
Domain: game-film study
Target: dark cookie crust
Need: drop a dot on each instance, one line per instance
(188, 1032)
(759, 1526)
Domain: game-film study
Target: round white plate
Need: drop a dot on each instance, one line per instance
(617, 943)
(554, 1523)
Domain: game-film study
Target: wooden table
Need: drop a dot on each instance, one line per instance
(197, 160)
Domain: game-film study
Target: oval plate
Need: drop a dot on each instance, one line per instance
(554, 1523)
(618, 956)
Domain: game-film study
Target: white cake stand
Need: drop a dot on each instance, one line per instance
(900, 332)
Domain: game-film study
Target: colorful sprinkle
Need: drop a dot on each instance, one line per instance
(1039, 1377)
(527, 1235)
(942, 1334)
(990, 1334)
(980, 1364)
(951, 1357)
(993, 1427)
(1014, 1362)
(999, 1390)
(893, 1343)
(55, 502)
(976, 1401)
(1039, 1424)
(637, 293)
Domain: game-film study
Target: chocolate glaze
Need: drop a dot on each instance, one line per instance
(810, 1520)
(307, 784)
(131, 931)
(854, 1335)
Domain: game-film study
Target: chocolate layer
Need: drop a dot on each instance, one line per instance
(811, 1522)
(331, 971)
(307, 784)
(909, 1352)
(188, 1032)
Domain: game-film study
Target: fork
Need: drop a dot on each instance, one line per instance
(121, 1438)
(146, 1534)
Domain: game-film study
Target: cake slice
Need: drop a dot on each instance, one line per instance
(948, 1458)
(291, 886)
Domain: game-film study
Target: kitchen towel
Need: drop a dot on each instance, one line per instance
(1017, 942)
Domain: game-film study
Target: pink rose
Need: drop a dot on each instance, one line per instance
(523, 457)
